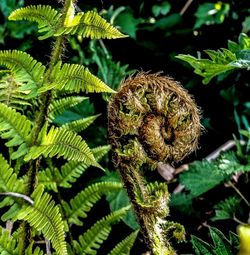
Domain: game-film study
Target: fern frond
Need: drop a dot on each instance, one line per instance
(91, 240)
(46, 17)
(79, 125)
(36, 251)
(15, 127)
(45, 216)
(91, 25)
(75, 78)
(124, 247)
(8, 178)
(8, 245)
(48, 179)
(63, 143)
(71, 171)
(12, 92)
(60, 105)
(84, 200)
(24, 65)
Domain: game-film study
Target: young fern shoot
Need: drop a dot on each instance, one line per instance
(152, 119)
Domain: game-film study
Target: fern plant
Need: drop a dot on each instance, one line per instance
(32, 178)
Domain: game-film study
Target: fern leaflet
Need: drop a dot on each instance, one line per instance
(27, 68)
(63, 143)
(123, 248)
(79, 125)
(84, 200)
(91, 240)
(73, 170)
(13, 93)
(46, 17)
(74, 78)
(9, 183)
(60, 105)
(15, 127)
(91, 25)
(45, 216)
(8, 245)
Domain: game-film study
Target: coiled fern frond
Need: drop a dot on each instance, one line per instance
(152, 119)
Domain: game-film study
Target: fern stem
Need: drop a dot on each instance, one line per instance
(45, 100)
(151, 119)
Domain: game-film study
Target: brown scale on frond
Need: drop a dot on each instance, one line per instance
(152, 119)
(160, 112)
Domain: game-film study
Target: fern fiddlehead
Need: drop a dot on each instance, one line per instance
(152, 119)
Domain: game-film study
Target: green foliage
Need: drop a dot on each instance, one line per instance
(44, 216)
(201, 177)
(32, 96)
(226, 209)
(46, 17)
(91, 25)
(74, 78)
(210, 174)
(211, 13)
(15, 127)
(123, 248)
(8, 178)
(221, 245)
(92, 239)
(84, 200)
(80, 125)
(8, 245)
(236, 56)
(62, 143)
(13, 93)
(59, 106)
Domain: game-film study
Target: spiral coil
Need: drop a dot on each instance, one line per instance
(152, 119)
(159, 113)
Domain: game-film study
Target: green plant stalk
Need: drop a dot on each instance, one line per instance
(45, 99)
(152, 119)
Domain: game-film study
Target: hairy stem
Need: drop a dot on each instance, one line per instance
(151, 120)
(45, 100)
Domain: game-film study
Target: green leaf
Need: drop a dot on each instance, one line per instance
(63, 143)
(91, 25)
(229, 164)
(124, 247)
(222, 60)
(8, 178)
(83, 201)
(21, 63)
(211, 13)
(128, 22)
(58, 106)
(246, 25)
(226, 209)
(92, 239)
(16, 128)
(80, 125)
(220, 246)
(8, 245)
(46, 17)
(75, 78)
(163, 9)
(45, 216)
(201, 177)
